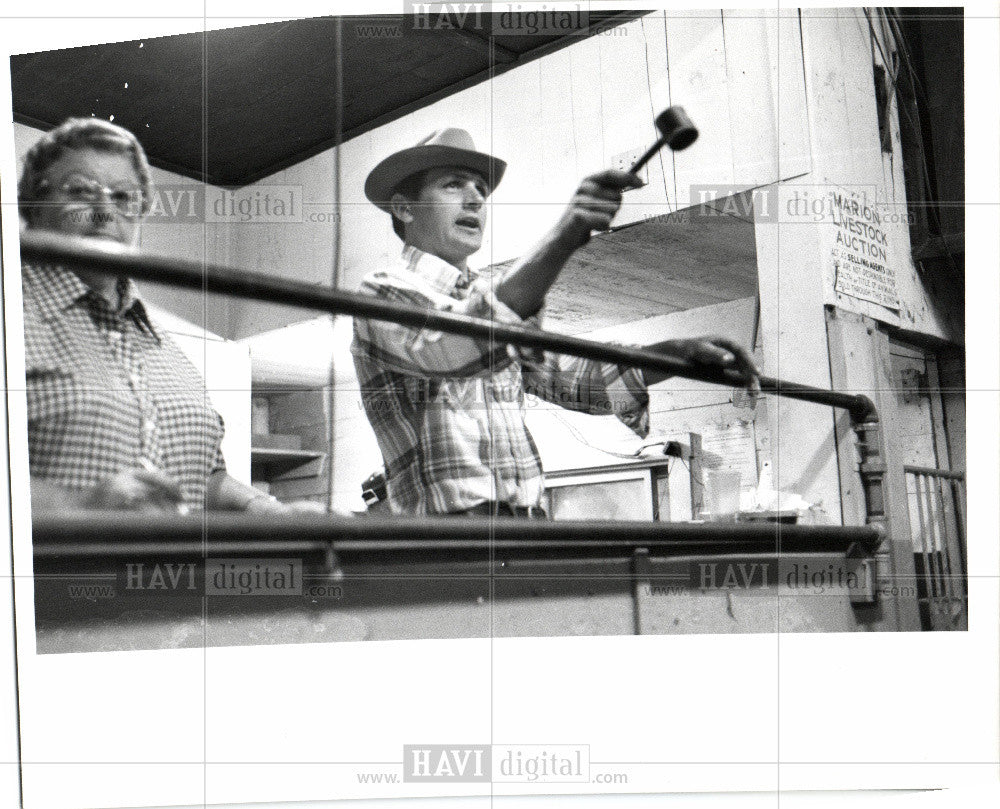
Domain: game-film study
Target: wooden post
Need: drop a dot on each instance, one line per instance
(859, 361)
(697, 478)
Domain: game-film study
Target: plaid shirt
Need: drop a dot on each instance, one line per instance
(106, 390)
(448, 411)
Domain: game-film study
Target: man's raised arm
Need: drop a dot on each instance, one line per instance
(593, 206)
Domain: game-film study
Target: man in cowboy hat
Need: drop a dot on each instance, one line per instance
(448, 410)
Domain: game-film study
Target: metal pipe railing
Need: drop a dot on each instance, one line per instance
(389, 540)
(77, 539)
(52, 248)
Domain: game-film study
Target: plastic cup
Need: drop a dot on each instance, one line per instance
(722, 494)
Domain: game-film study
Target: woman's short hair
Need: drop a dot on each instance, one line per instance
(79, 133)
(409, 188)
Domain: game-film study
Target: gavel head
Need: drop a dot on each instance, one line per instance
(676, 128)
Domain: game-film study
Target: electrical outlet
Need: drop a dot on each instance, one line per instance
(623, 162)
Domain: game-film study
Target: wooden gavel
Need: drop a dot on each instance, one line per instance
(676, 131)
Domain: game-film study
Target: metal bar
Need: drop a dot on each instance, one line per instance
(934, 473)
(941, 530)
(929, 583)
(87, 548)
(958, 490)
(952, 546)
(696, 475)
(932, 537)
(67, 251)
(936, 547)
(640, 580)
(86, 534)
(861, 408)
(947, 571)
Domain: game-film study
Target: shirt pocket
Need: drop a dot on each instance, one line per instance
(65, 385)
(51, 385)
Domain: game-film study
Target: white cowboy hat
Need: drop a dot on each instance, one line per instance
(445, 147)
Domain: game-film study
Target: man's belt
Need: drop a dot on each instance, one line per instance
(492, 508)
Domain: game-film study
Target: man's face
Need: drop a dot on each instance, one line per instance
(449, 215)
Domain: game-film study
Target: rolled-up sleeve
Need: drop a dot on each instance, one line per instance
(428, 352)
(597, 388)
(219, 461)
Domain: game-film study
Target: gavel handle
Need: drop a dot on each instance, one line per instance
(647, 156)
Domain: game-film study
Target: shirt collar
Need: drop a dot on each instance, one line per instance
(436, 271)
(56, 289)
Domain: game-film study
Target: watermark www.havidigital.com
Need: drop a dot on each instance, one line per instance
(857, 209)
(195, 203)
(500, 19)
(494, 763)
(251, 576)
(840, 578)
(836, 578)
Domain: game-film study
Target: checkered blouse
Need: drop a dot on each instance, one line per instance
(448, 411)
(106, 390)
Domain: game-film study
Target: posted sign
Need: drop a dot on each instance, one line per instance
(859, 249)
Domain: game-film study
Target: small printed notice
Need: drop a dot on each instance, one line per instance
(732, 447)
(859, 250)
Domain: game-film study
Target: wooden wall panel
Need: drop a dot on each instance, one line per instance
(196, 241)
(792, 122)
(518, 212)
(793, 336)
(661, 168)
(847, 153)
(859, 82)
(751, 39)
(628, 112)
(696, 53)
(770, 126)
(302, 251)
(585, 87)
(833, 142)
(557, 170)
(367, 233)
(623, 80)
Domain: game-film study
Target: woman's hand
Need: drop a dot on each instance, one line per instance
(136, 490)
(268, 505)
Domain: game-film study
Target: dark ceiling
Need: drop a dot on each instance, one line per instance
(233, 106)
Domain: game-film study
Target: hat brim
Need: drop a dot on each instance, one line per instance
(388, 174)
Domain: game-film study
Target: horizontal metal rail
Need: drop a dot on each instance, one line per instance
(931, 472)
(386, 540)
(42, 247)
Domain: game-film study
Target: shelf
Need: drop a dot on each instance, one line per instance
(267, 463)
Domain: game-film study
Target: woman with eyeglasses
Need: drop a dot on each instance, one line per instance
(118, 418)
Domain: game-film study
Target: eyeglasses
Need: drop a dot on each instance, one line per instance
(80, 189)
